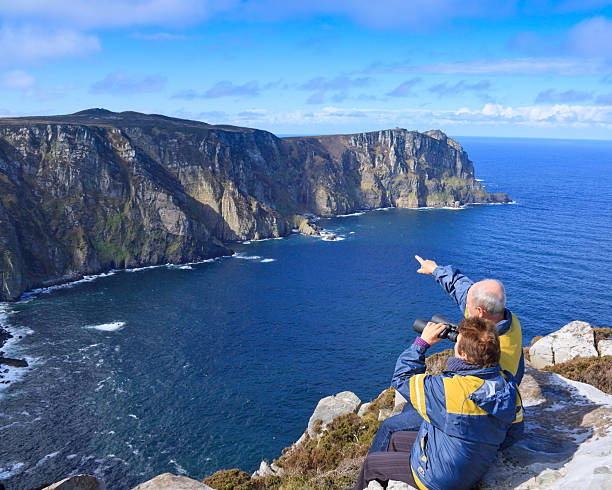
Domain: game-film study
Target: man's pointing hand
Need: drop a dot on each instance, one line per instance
(427, 266)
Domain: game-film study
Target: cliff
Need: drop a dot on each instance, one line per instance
(96, 190)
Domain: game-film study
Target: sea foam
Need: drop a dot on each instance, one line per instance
(240, 255)
(107, 327)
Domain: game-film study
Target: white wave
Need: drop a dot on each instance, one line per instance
(240, 255)
(383, 209)
(265, 261)
(11, 470)
(179, 266)
(491, 203)
(133, 416)
(246, 243)
(479, 180)
(67, 285)
(358, 213)
(351, 233)
(263, 239)
(178, 467)
(139, 269)
(107, 327)
(71, 456)
(327, 236)
(43, 460)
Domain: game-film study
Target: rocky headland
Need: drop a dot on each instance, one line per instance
(96, 190)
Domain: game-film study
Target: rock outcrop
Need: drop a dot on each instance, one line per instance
(331, 407)
(168, 481)
(78, 482)
(576, 339)
(86, 192)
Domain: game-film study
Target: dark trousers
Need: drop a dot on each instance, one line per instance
(394, 464)
(409, 419)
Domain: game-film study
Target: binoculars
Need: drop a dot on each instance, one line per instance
(450, 331)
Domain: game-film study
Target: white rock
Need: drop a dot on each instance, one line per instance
(263, 471)
(400, 401)
(78, 482)
(168, 481)
(605, 347)
(331, 407)
(541, 353)
(384, 413)
(363, 409)
(576, 339)
(399, 485)
(277, 469)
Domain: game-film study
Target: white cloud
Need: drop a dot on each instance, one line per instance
(114, 13)
(491, 115)
(17, 80)
(517, 66)
(26, 43)
(591, 37)
(120, 83)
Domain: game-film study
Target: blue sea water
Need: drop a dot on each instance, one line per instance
(220, 364)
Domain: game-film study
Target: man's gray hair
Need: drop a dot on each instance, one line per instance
(489, 299)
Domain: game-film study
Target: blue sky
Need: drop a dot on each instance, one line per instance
(470, 67)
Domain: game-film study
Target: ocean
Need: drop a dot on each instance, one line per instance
(194, 368)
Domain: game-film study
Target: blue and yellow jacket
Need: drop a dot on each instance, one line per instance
(509, 329)
(467, 413)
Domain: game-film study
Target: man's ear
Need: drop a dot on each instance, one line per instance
(480, 312)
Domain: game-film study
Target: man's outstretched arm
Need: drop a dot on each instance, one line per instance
(451, 279)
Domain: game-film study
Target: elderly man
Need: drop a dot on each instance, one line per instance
(484, 299)
(466, 413)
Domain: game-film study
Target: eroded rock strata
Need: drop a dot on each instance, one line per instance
(96, 190)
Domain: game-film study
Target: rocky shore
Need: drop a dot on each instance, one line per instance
(6, 362)
(96, 190)
(567, 441)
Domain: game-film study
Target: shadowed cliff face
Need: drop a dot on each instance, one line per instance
(95, 190)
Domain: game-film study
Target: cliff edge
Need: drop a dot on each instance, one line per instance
(95, 190)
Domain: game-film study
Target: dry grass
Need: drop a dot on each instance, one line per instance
(436, 363)
(596, 371)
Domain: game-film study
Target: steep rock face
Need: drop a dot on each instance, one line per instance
(395, 168)
(95, 190)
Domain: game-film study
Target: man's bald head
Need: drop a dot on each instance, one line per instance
(490, 296)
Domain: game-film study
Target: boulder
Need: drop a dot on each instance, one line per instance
(168, 481)
(331, 407)
(263, 471)
(363, 409)
(78, 482)
(576, 339)
(605, 347)
(266, 469)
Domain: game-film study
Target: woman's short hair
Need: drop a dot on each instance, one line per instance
(479, 341)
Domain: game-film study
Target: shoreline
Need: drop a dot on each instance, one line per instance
(28, 294)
